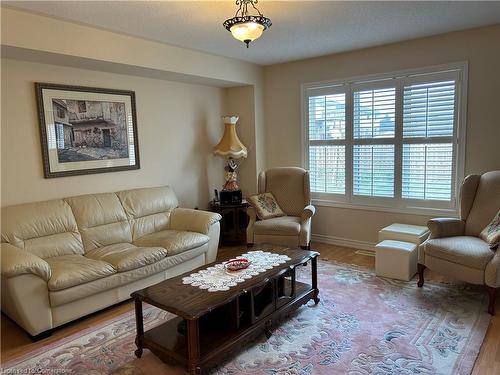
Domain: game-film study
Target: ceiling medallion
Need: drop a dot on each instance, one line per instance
(244, 26)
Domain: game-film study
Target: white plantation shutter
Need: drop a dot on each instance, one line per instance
(327, 117)
(427, 171)
(428, 114)
(394, 141)
(327, 126)
(373, 170)
(429, 109)
(327, 169)
(374, 112)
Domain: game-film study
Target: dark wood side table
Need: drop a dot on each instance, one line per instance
(234, 222)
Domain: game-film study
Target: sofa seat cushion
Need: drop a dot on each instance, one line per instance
(465, 250)
(284, 226)
(167, 267)
(71, 270)
(125, 256)
(173, 241)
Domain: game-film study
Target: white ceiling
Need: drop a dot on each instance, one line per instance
(300, 29)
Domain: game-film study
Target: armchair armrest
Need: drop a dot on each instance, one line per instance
(445, 227)
(16, 261)
(252, 218)
(308, 212)
(193, 220)
(252, 214)
(305, 225)
(492, 272)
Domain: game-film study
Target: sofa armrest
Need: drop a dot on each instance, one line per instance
(308, 212)
(445, 227)
(16, 261)
(193, 220)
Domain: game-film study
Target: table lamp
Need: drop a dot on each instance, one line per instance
(230, 147)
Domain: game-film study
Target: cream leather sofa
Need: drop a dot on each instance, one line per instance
(66, 258)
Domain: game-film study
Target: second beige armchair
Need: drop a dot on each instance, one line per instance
(290, 187)
(455, 248)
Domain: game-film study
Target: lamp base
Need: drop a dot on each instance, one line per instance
(231, 197)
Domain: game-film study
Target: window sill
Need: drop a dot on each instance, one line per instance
(443, 212)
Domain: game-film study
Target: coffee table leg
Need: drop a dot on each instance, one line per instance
(314, 266)
(193, 347)
(140, 327)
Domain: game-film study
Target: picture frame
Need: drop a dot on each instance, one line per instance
(86, 130)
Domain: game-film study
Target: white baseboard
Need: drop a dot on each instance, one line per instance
(346, 242)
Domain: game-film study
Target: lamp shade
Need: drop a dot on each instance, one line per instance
(230, 145)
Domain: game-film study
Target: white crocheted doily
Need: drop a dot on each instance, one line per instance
(217, 278)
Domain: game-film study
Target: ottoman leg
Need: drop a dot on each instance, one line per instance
(420, 269)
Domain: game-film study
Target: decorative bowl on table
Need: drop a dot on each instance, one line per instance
(236, 264)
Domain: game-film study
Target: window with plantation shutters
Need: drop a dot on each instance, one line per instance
(392, 142)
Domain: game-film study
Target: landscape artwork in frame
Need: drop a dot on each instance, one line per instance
(86, 130)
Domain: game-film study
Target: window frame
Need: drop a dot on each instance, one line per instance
(457, 71)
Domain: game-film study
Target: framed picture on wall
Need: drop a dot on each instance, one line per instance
(86, 130)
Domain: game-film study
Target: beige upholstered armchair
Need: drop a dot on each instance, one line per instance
(454, 248)
(290, 187)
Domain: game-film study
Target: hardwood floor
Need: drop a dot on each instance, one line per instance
(15, 342)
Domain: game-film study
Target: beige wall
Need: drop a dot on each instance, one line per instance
(28, 35)
(480, 47)
(240, 101)
(177, 123)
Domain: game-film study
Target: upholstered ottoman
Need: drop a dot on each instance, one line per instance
(396, 259)
(404, 232)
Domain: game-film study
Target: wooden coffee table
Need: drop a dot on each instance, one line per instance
(211, 324)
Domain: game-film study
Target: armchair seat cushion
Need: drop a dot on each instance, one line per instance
(71, 270)
(173, 241)
(125, 256)
(465, 250)
(284, 226)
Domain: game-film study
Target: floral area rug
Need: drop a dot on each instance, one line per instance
(363, 325)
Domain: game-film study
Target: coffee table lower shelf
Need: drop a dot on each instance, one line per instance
(169, 341)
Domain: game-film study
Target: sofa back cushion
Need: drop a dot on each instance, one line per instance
(101, 220)
(148, 209)
(46, 229)
(486, 203)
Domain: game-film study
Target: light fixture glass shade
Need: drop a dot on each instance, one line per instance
(230, 145)
(248, 23)
(247, 31)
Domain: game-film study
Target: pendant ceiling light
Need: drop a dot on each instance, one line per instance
(244, 26)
